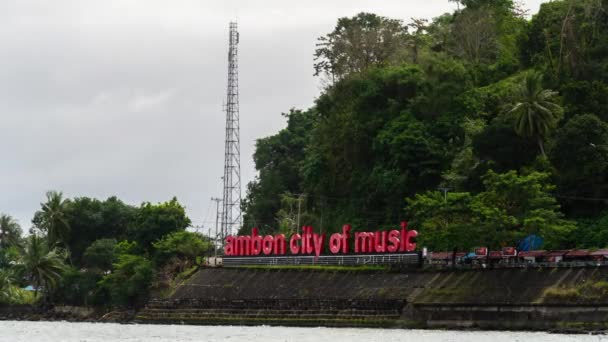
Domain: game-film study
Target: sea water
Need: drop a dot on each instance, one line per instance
(12, 331)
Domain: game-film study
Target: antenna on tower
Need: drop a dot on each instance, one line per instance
(231, 202)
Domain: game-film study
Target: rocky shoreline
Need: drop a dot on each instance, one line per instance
(66, 313)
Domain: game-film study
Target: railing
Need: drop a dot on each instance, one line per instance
(516, 264)
(406, 259)
(334, 260)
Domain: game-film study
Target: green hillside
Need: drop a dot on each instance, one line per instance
(480, 127)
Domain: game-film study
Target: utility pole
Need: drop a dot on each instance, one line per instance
(217, 219)
(210, 238)
(299, 210)
(198, 228)
(445, 193)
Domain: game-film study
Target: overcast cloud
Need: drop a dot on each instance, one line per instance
(124, 97)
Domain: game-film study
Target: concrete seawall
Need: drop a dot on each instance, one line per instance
(558, 298)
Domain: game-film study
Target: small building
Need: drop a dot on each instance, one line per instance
(439, 258)
(509, 252)
(601, 255)
(556, 256)
(481, 252)
(578, 255)
(495, 255)
(532, 256)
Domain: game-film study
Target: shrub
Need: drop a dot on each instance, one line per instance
(129, 283)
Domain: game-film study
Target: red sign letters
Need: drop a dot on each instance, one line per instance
(309, 242)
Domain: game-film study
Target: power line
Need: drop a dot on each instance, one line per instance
(208, 212)
(579, 198)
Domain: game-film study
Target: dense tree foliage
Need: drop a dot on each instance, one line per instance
(153, 221)
(91, 220)
(101, 254)
(505, 114)
(85, 251)
(358, 43)
(80, 287)
(511, 207)
(592, 232)
(129, 282)
(183, 246)
(580, 156)
(278, 159)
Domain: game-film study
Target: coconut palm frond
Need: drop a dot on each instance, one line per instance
(43, 265)
(535, 111)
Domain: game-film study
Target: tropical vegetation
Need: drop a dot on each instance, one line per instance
(83, 251)
(480, 127)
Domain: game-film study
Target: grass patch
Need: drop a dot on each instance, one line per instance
(15, 295)
(169, 288)
(456, 291)
(601, 286)
(585, 293)
(583, 326)
(186, 274)
(558, 294)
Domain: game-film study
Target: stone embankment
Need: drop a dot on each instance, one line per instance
(546, 299)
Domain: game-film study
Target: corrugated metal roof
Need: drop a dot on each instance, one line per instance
(556, 253)
(446, 255)
(575, 253)
(495, 255)
(535, 254)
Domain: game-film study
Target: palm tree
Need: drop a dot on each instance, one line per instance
(10, 231)
(6, 284)
(536, 111)
(41, 264)
(53, 218)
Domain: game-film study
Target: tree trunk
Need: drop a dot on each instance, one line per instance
(540, 146)
(36, 286)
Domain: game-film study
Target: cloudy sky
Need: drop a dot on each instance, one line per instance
(124, 97)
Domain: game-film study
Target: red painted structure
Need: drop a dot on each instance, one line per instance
(311, 243)
(599, 255)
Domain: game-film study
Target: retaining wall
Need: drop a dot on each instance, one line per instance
(491, 299)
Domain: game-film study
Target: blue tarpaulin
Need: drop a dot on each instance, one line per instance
(530, 243)
(470, 256)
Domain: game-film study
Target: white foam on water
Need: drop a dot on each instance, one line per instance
(12, 331)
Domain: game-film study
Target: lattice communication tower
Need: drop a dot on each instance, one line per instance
(231, 203)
